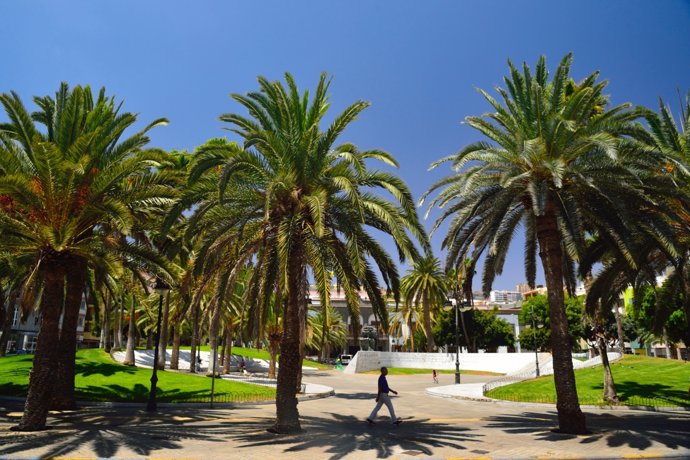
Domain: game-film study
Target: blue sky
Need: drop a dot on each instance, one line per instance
(418, 63)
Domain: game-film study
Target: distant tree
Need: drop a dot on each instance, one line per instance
(538, 306)
(426, 284)
(487, 330)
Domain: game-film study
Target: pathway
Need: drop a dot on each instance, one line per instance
(334, 428)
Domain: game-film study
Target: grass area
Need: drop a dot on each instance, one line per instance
(639, 381)
(99, 378)
(411, 371)
(263, 354)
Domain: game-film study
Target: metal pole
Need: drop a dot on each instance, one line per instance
(534, 340)
(152, 406)
(457, 347)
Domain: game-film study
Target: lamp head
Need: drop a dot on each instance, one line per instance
(161, 287)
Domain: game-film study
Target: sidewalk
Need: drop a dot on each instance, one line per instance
(334, 429)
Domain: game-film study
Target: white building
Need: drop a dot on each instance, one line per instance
(505, 296)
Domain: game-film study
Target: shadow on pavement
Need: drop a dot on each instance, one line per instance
(115, 433)
(106, 431)
(340, 435)
(360, 396)
(635, 430)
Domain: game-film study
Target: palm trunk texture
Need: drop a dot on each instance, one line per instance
(63, 391)
(175, 355)
(129, 354)
(570, 417)
(163, 342)
(214, 321)
(430, 344)
(227, 348)
(287, 415)
(195, 339)
(42, 375)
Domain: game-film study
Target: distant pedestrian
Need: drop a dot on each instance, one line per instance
(383, 398)
(434, 375)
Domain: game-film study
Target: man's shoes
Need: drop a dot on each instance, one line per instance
(371, 422)
(398, 422)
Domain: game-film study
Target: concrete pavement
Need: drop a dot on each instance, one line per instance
(334, 428)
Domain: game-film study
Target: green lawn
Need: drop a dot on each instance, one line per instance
(410, 371)
(639, 381)
(99, 378)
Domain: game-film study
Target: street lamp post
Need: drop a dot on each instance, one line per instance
(534, 341)
(456, 306)
(161, 288)
(457, 345)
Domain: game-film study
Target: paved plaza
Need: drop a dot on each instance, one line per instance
(335, 428)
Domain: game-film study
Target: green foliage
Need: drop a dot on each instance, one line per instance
(659, 312)
(537, 308)
(99, 378)
(639, 380)
(485, 327)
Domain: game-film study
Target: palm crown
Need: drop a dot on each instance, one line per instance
(291, 200)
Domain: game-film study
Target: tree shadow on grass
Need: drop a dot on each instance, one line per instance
(639, 430)
(140, 394)
(87, 367)
(340, 435)
(651, 392)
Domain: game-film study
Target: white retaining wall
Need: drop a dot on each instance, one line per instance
(502, 363)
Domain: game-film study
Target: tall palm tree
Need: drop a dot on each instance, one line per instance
(300, 204)
(559, 162)
(71, 180)
(673, 140)
(426, 283)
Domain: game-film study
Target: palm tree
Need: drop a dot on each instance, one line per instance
(68, 188)
(299, 204)
(404, 323)
(328, 331)
(673, 140)
(426, 283)
(560, 163)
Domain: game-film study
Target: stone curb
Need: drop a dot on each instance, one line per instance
(535, 404)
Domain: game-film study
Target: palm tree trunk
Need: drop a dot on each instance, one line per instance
(570, 417)
(63, 390)
(287, 415)
(430, 344)
(610, 394)
(599, 329)
(117, 326)
(163, 342)
(175, 355)
(107, 331)
(214, 321)
(195, 338)
(42, 373)
(227, 348)
(130, 359)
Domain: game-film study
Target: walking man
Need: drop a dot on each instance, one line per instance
(383, 398)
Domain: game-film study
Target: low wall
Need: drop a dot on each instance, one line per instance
(502, 363)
